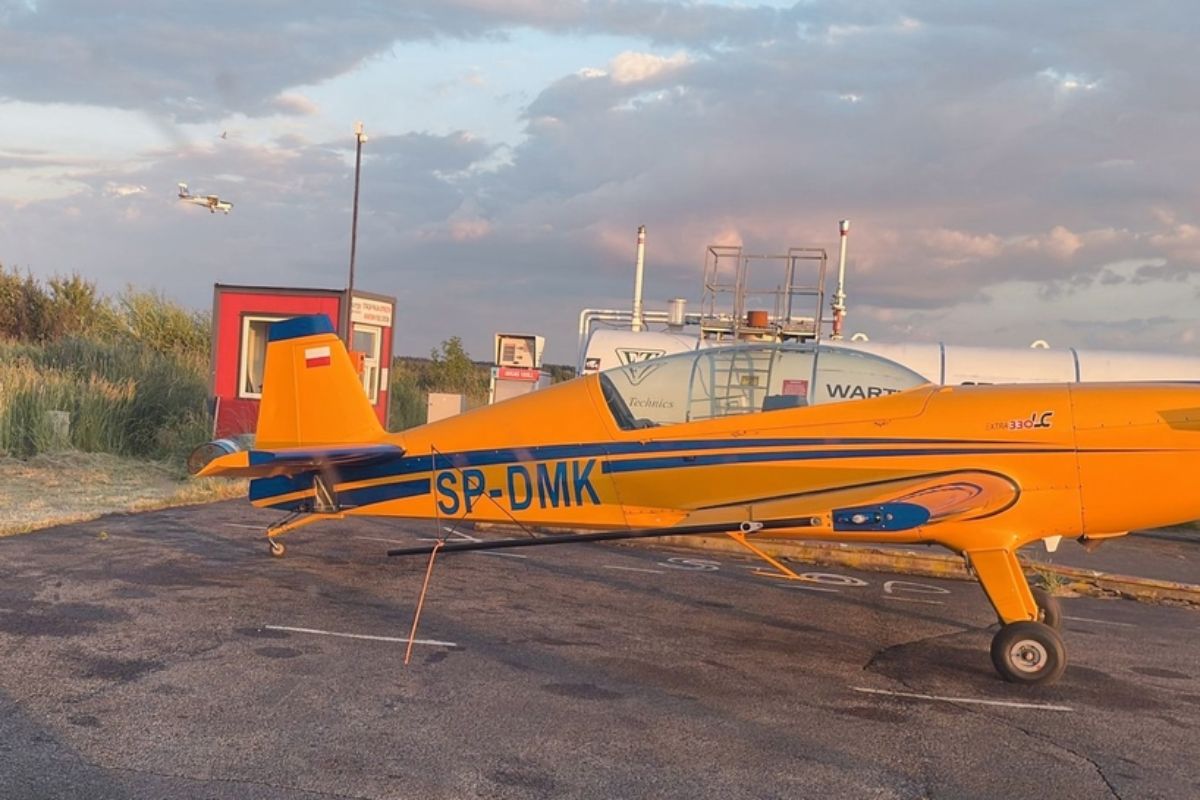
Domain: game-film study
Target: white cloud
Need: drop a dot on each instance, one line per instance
(1069, 81)
(631, 67)
(122, 189)
(463, 230)
(294, 104)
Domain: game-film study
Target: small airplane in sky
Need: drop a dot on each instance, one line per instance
(751, 441)
(209, 201)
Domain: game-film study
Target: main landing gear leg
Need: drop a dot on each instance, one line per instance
(1026, 650)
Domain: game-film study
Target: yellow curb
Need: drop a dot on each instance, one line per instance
(1097, 583)
(933, 565)
(928, 564)
(936, 565)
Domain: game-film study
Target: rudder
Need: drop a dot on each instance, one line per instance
(312, 394)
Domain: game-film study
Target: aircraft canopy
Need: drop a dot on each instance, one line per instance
(722, 381)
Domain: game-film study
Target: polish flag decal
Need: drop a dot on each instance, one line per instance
(316, 357)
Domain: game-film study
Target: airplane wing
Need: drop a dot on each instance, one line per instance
(890, 505)
(880, 506)
(223, 458)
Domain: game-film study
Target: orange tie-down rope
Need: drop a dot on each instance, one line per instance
(412, 635)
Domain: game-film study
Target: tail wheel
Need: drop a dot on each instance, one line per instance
(1049, 606)
(276, 548)
(1030, 653)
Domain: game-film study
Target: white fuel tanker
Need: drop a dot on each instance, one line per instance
(790, 306)
(940, 363)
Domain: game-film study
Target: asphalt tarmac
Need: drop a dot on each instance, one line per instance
(166, 655)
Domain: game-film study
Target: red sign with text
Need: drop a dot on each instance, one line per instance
(518, 374)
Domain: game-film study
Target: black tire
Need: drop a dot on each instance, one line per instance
(1029, 653)
(1049, 606)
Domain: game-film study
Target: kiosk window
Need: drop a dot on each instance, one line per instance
(366, 341)
(253, 355)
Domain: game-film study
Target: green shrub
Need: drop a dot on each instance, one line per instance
(165, 327)
(122, 397)
(406, 402)
(25, 308)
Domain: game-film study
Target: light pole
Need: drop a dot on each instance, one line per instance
(359, 137)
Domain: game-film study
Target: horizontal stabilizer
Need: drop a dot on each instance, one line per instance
(222, 458)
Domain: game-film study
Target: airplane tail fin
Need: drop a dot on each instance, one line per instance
(312, 395)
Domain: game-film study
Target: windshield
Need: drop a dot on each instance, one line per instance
(742, 379)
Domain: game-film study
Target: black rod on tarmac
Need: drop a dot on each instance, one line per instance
(603, 536)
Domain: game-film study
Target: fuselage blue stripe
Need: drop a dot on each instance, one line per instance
(370, 495)
(483, 458)
(367, 495)
(716, 459)
(264, 488)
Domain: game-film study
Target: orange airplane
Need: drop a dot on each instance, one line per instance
(803, 441)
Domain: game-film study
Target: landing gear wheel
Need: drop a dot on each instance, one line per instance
(1049, 606)
(276, 548)
(1030, 653)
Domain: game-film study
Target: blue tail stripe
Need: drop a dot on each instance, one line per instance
(298, 327)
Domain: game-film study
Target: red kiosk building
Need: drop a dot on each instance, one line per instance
(241, 315)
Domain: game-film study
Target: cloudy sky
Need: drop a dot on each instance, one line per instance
(1013, 170)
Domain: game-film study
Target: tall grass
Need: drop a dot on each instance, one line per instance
(96, 408)
(129, 373)
(120, 397)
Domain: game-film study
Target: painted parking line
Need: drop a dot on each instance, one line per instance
(458, 536)
(1101, 621)
(635, 569)
(972, 700)
(913, 600)
(247, 527)
(691, 564)
(367, 636)
(794, 584)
